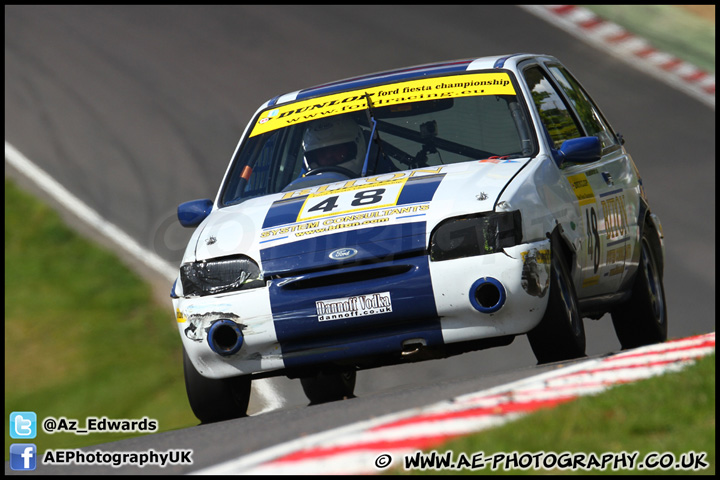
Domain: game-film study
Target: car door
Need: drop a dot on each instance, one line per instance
(605, 190)
(618, 187)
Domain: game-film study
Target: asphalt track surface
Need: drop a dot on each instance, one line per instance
(137, 109)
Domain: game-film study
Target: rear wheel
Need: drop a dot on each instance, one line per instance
(330, 387)
(643, 320)
(215, 400)
(560, 335)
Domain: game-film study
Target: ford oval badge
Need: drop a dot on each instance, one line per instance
(343, 253)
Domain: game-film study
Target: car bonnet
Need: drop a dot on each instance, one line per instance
(356, 220)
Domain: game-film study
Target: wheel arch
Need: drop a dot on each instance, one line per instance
(560, 241)
(651, 225)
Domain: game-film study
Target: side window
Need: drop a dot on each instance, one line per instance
(553, 112)
(588, 112)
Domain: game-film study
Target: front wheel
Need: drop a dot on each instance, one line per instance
(643, 320)
(560, 335)
(215, 400)
(323, 388)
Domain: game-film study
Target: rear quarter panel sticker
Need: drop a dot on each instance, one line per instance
(614, 214)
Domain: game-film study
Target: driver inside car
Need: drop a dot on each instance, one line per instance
(335, 144)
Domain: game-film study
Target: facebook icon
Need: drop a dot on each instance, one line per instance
(22, 456)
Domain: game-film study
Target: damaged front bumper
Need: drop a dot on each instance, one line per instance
(368, 315)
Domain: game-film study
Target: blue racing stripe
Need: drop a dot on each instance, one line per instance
(358, 345)
(420, 189)
(283, 212)
(306, 340)
(372, 243)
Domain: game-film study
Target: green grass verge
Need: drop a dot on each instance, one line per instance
(667, 28)
(83, 336)
(670, 415)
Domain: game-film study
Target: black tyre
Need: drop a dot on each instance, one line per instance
(560, 335)
(643, 320)
(215, 400)
(330, 387)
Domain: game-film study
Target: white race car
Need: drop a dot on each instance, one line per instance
(409, 215)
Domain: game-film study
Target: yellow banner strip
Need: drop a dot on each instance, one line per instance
(455, 86)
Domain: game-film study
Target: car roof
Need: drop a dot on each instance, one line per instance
(401, 74)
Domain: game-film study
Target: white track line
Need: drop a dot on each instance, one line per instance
(61, 195)
(270, 397)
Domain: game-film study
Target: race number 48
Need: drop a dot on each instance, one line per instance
(350, 200)
(363, 198)
(593, 248)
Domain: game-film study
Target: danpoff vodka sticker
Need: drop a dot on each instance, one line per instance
(356, 306)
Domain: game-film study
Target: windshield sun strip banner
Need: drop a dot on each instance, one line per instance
(455, 86)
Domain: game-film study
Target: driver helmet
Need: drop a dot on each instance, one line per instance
(336, 141)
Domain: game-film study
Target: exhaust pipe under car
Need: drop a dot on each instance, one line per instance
(225, 337)
(487, 295)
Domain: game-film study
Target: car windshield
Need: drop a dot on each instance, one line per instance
(377, 130)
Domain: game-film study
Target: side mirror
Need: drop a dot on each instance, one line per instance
(191, 214)
(580, 150)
